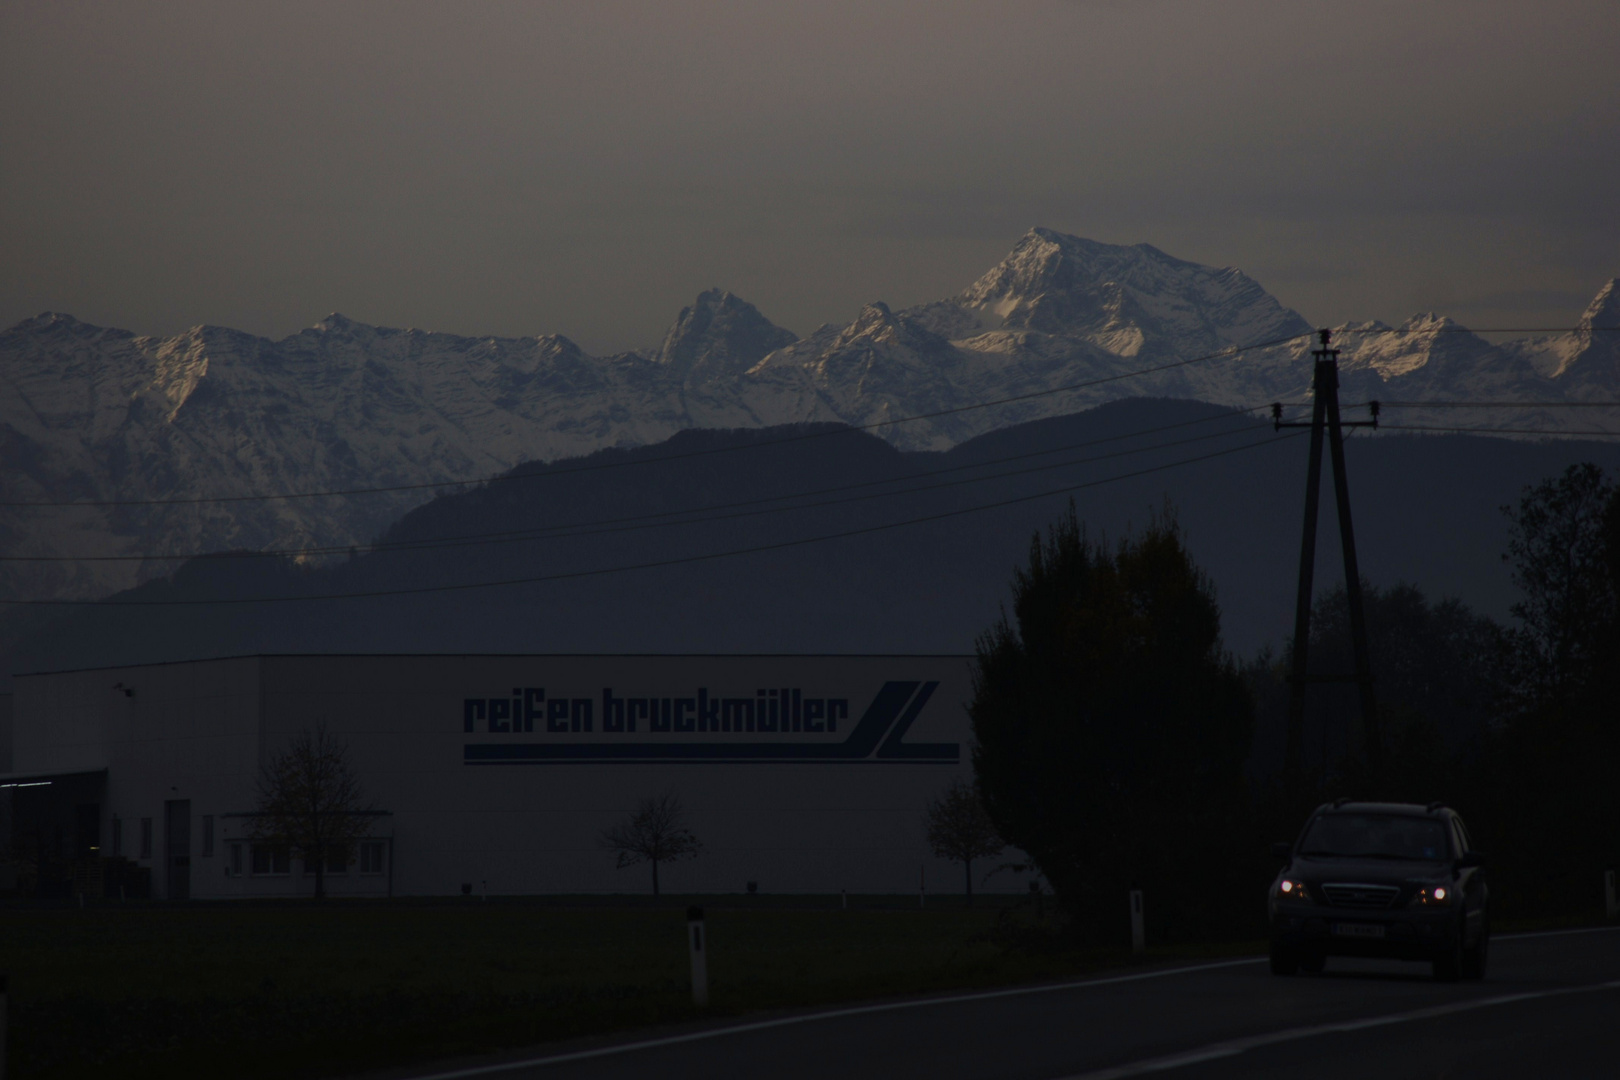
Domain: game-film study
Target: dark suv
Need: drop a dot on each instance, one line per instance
(1381, 879)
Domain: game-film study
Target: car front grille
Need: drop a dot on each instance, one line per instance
(1349, 895)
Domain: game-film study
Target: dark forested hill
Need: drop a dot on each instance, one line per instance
(1427, 511)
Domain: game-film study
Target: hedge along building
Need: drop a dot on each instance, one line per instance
(801, 773)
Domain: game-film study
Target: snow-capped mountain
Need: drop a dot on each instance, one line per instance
(1587, 362)
(94, 415)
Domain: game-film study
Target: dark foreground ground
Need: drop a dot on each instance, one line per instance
(1549, 1008)
(415, 988)
(300, 990)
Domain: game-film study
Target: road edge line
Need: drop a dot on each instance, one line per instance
(890, 1006)
(1555, 933)
(1234, 1047)
(829, 1014)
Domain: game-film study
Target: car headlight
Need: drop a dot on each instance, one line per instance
(1291, 889)
(1432, 896)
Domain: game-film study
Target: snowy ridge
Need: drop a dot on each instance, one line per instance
(88, 413)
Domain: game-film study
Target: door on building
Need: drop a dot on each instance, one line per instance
(177, 847)
(87, 830)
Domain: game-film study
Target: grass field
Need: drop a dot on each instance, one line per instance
(306, 990)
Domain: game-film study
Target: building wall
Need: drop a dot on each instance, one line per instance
(5, 733)
(8, 872)
(522, 811)
(180, 732)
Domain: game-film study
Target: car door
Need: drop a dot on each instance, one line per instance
(1471, 885)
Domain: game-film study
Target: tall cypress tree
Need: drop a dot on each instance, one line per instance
(1112, 728)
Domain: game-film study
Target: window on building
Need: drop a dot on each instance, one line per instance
(271, 859)
(208, 834)
(118, 835)
(337, 859)
(233, 868)
(371, 857)
(146, 838)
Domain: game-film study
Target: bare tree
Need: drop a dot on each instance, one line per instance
(960, 830)
(310, 801)
(656, 832)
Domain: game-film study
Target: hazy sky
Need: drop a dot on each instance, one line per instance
(587, 167)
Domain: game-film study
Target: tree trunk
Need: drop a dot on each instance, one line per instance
(655, 877)
(967, 866)
(320, 855)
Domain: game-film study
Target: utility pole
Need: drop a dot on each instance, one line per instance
(1325, 419)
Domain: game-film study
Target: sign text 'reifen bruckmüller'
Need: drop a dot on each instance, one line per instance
(785, 723)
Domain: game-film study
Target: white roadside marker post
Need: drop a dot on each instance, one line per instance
(1138, 934)
(1611, 899)
(700, 953)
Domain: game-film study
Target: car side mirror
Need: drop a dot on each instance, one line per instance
(1470, 859)
(1282, 851)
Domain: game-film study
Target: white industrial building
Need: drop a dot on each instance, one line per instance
(802, 774)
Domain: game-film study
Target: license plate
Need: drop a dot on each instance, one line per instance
(1363, 930)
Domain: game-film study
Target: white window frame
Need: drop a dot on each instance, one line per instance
(310, 872)
(253, 871)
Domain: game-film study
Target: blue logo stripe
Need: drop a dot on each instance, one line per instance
(894, 749)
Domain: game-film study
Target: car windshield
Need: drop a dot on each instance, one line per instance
(1376, 836)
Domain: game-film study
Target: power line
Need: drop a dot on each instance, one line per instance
(661, 519)
(1490, 431)
(1229, 351)
(1459, 329)
(659, 563)
(1500, 404)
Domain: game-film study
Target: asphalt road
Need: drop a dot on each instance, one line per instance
(1550, 1007)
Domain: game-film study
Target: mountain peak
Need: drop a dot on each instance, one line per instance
(1604, 310)
(336, 322)
(1590, 366)
(52, 329)
(878, 327)
(46, 321)
(1045, 259)
(875, 320)
(1429, 322)
(1126, 298)
(720, 332)
(557, 345)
